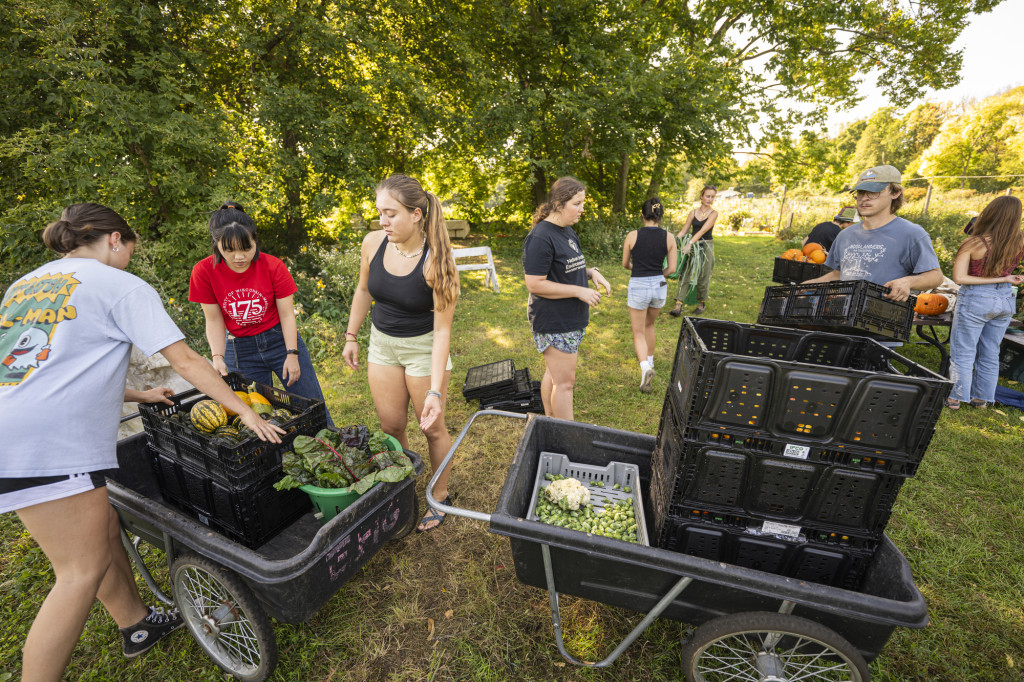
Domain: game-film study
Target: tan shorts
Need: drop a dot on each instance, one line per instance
(413, 353)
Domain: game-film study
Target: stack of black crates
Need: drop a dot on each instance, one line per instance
(229, 487)
(784, 449)
(500, 386)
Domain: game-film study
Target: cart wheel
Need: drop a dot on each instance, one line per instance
(224, 617)
(770, 647)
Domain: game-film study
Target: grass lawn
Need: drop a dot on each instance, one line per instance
(446, 605)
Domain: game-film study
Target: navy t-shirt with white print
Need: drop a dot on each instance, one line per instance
(554, 252)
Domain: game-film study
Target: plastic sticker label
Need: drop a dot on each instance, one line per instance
(784, 529)
(679, 386)
(796, 451)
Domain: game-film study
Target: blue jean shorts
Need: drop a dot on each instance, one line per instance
(647, 292)
(567, 342)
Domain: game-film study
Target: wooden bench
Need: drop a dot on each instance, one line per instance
(491, 277)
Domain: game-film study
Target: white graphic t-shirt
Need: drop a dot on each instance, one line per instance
(66, 333)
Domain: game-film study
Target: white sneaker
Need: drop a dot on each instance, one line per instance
(647, 381)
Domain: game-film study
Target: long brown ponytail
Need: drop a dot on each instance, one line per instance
(562, 190)
(440, 265)
(1000, 221)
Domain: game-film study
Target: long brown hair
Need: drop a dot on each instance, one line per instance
(440, 265)
(999, 227)
(82, 224)
(562, 190)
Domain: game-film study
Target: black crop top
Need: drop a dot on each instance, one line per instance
(402, 306)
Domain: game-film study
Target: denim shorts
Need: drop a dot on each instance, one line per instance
(647, 292)
(567, 342)
(414, 353)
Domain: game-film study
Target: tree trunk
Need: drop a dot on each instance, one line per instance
(619, 198)
(658, 173)
(294, 223)
(540, 186)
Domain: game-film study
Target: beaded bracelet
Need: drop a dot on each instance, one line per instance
(434, 393)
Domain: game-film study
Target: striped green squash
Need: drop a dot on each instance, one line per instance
(208, 416)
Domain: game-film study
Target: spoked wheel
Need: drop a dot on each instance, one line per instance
(224, 617)
(770, 647)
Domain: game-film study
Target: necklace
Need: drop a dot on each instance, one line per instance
(705, 217)
(410, 255)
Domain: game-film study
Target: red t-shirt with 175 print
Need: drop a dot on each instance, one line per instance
(248, 300)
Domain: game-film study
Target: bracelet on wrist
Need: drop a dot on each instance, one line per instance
(217, 355)
(432, 392)
(348, 334)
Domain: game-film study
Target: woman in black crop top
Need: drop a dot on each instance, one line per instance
(407, 272)
(702, 220)
(644, 253)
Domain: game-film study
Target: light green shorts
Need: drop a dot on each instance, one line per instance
(413, 353)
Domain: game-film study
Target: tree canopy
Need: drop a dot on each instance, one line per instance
(298, 107)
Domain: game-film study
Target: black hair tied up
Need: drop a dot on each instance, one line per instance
(653, 210)
(233, 227)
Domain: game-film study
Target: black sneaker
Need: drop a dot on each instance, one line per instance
(143, 636)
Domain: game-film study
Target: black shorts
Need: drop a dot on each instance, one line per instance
(18, 493)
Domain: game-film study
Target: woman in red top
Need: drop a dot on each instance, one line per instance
(985, 301)
(247, 301)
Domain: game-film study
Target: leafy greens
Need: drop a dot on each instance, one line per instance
(351, 458)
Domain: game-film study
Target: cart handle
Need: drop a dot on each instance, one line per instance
(448, 509)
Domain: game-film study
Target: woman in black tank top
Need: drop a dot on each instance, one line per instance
(644, 253)
(702, 220)
(407, 272)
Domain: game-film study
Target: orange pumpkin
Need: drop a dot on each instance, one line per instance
(931, 304)
(791, 254)
(817, 256)
(811, 247)
(801, 258)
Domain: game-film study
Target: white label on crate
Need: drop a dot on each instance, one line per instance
(679, 386)
(796, 451)
(773, 528)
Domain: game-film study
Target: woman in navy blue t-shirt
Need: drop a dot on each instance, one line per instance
(557, 278)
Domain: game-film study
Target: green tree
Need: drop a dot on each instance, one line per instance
(982, 141)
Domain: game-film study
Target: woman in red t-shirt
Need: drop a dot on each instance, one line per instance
(247, 301)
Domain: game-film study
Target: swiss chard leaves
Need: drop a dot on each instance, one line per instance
(351, 458)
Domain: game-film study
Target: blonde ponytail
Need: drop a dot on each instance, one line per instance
(440, 265)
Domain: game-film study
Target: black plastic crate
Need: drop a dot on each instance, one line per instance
(1011, 360)
(250, 515)
(240, 464)
(786, 271)
(729, 540)
(488, 380)
(790, 491)
(803, 387)
(856, 306)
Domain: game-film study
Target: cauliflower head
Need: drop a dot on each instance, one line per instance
(568, 493)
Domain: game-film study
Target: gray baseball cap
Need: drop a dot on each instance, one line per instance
(878, 178)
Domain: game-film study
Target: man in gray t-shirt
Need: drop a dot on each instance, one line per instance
(883, 248)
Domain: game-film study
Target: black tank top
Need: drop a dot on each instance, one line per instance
(698, 225)
(402, 306)
(649, 252)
